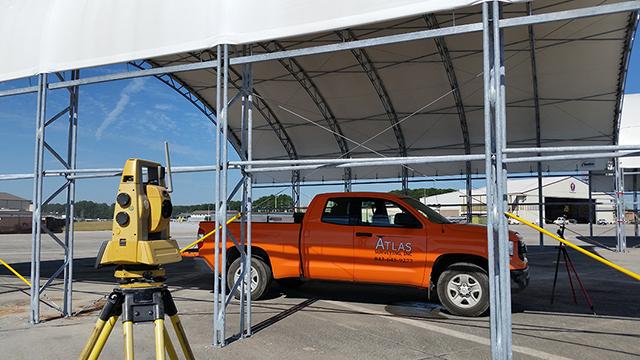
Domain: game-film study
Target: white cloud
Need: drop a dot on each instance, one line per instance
(125, 96)
(165, 107)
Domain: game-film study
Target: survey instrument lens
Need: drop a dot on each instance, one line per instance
(122, 218)
(123, 199)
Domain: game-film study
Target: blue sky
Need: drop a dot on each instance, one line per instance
(132, 119)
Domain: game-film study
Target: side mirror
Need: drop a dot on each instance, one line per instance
(406, 220)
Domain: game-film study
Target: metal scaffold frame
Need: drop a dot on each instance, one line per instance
(495, 152)
(69, 188)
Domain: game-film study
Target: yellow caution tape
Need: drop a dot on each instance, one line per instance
(606, 262)
(15, 272)
(211, 233)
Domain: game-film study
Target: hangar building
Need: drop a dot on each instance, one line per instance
(15, 214)
(560, 195)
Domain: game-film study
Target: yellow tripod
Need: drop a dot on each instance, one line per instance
(140, 297)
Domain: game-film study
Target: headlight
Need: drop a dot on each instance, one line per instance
(511, 245)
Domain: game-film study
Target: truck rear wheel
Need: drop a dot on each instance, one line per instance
(463, 289)
(260, 277)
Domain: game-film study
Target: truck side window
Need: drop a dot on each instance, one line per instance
(336, 211)
(379, 212)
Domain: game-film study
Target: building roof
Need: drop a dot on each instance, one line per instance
(10, 197)
(522, 186)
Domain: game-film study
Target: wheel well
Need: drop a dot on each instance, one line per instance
(444, 261)
(233, 253)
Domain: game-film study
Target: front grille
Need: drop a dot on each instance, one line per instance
(522, 250)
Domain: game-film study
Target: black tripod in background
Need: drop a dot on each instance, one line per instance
(567, 261)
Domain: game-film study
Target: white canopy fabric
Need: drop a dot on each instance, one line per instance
(44, 36)
(345, 104)
(630, 129)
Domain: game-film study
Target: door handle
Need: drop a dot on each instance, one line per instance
(364, 234)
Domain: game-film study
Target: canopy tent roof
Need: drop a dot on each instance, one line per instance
(415, 98)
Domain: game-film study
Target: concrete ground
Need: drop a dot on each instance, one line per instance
(323, 320)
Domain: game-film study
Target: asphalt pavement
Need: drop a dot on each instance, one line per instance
(323, 319)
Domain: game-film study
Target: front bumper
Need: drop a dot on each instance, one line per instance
(201, 265)
(519, 280)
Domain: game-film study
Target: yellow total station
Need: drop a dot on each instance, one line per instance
(141, 219)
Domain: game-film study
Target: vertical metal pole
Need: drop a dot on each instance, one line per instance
(621, 245)
(635, 203)
(489, 98)
(591, 206)
(504, 276)
(71, 195)
(536, 101)
(541, 221)
(469, 193)
(249, 188)
(36, 222)
(223, 190)
(499, 277)
(218, 323)
(244, 289)
(405, 180)
(347, 180)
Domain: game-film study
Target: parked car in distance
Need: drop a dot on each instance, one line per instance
(602, 222)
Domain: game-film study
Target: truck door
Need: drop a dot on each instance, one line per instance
(327, 241)
(386, 252)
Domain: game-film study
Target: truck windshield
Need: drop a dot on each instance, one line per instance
(426, 211)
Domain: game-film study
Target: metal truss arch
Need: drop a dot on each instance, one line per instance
(269, 115)
(443, 50)
(191, 95)
(445, 55)
(306, 82)
(370, 69)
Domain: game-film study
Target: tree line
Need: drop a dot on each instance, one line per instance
(91, 210)
(422, 192)
(83, 210)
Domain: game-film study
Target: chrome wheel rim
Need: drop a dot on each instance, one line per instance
(254, 277)
(464, 291)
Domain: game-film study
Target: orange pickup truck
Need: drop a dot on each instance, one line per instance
(373, 238)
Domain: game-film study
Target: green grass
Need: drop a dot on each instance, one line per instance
(93, 225)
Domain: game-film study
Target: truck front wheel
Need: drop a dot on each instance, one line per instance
(260, 277)
(463, 289)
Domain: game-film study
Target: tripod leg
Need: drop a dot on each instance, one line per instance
(102, 339)
(582, 286)
(111, 308)
(159, 330)
(555, 277)
(93, 338)
(171, 310)
(127, 328)
(168, 345)
(182, 337)
(566, 263)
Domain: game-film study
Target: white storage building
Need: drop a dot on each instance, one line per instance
(561, 196)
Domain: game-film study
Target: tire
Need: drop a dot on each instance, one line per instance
(290, 283)
(260, 277)
(463, 289)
